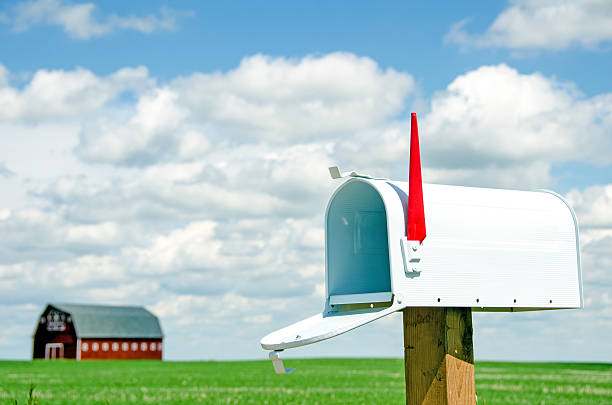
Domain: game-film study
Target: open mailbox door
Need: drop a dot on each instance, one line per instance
(358, 273)
(486, 249)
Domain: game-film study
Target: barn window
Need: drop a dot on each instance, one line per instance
(94, 346)
(152, 347)
(134, 346)
(42, 319)
(55, 323)
(125, 346)
(85, 347)
(105, 346)
(115, 346)
(143, 346)
(159, 346)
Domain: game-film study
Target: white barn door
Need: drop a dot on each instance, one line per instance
(54, 351)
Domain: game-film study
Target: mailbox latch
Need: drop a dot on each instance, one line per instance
(411, 253)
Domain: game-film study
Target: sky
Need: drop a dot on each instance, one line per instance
(175, 155)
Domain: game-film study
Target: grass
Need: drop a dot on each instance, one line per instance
(316, 381)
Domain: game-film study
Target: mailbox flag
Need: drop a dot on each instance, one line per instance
(415, 225)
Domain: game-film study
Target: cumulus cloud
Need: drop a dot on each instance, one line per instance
(526, 176)
(492, 118)
(203, 197)
(193, 191)
(77, 278)
(542, 25)
(80, 20)
(264, 99)
(491, 127)
(495, 114)
(5, 171)
(156, 129)
(4, 76)
(34, 234)
(57, 94)
(295, 99)
(593, 206)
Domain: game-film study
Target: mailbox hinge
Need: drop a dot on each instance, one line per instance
(335, 173)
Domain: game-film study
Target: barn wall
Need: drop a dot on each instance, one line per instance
(54, 327)
(107, 349)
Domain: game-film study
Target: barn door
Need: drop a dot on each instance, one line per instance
(54, 351)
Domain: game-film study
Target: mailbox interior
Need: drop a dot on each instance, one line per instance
(357, 250)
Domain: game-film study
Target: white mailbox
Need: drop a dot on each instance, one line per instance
(488, 249)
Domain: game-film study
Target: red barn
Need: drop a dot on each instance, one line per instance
(83, 332)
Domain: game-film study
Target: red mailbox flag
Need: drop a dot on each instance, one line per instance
(415, 226)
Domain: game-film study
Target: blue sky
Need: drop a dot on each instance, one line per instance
(209, 37)
(133, 133)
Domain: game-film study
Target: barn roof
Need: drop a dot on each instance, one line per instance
(105, 321)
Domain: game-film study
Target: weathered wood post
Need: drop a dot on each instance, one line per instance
(439, 356)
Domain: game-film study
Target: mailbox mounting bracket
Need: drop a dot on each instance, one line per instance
(411, 253)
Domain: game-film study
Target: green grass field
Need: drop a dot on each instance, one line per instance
(316, 381)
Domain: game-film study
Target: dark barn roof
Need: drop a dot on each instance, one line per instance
(105, 321)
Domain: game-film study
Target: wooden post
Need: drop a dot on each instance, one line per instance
(439, 356)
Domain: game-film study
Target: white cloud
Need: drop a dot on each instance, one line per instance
(527, 176)
(286, 100)
(496, 114)
(87, 272)
(80, 20)
(493, 126)
(4, 76)
(34, 234)
(264, 99)
(57, 94)
(21, 328)
(155, 129)
(212, 214)
(261, 318)
(192, 247)
(537, 25)
(492, 118)
(105, 233)
(593, 206)
(237, 184)
(5, 171)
